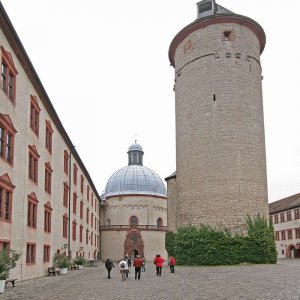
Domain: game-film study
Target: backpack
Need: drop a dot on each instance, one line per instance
(122, 265)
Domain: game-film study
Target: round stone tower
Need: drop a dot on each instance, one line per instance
(220, 145)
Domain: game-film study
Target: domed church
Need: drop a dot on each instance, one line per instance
(134, 211)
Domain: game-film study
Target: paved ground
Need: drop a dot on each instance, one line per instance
(280, 281)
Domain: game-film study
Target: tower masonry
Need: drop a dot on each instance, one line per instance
(220, 145)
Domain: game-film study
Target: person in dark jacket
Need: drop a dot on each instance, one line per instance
(137, 263)
(158, 261)
(109, 265)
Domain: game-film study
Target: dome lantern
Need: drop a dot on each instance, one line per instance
(135, 154)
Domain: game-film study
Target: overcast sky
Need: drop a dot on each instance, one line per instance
(105, 67)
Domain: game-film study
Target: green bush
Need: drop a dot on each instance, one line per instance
(8, 259)
(79, 260)
(61, 260)
(208, 246)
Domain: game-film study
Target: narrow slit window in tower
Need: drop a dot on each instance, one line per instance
(214, 97)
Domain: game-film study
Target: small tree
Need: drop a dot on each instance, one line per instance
(8, 259)
(61, 260)
(79, 260)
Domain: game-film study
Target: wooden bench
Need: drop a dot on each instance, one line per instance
(74, 267)
(12, 281)
(53, 271)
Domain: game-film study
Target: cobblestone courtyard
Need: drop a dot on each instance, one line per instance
(280, 281)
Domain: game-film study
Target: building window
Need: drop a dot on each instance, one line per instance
(297, 233)
(81, 184)
(92, 237)
(46, 257)
(32, 210)
(33, 164)
(66, 195)
(48, 177)
(289, 215)
(87, 215)
(6, 190)
(74, 230)
(66, 162)
(87, 236)
(81, 209)
(92, 200)
(75, 174)
(88, 193)
(49, 133)
(133, 221)
(283, 235)
(30, 253)
(4, 245)
(282, 217)
(108, 222)
(277, 235)
(290, 234)
(80, 233)
(92, 219)
(159, 223)
(65, 226)
(47, 217)
(7, 136)
(74, 203)
(275, 219)
(34, 114)
(296, 213)
(8, 75)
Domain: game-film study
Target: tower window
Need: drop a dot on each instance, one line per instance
(226, 35)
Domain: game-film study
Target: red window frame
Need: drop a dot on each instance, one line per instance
(46, 256)
(7, 138)
(92, 219)
(75, 169)
(66, 162)
(276, 219)
(283, 235)
(66, 195)
(48, 139)
(4, 244)
(92, 238)
(296, 213)
(32, 208)
(92, 199)
(8, 75)
(277, 236)
(74, 225)
(81, 183)
(289, 215)
(282, 217)
(290, 234)
(30, 253)
(80, 233)
(48, 177)
(33, 165)
(87, 216)
(6, 198)
(88, 193)
(34, 114)
(81, 209)
(87, 236)
(74, 203)
(297, 233)
(65, 226)
(47, 217)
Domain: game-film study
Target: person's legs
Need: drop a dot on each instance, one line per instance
(160, 271)
(123, 275)
(157, 271)
(135, 273)
(126, 271)
(108, 273)
(139, 273)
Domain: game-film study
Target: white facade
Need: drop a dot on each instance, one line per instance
(32, 180)
(285, 217)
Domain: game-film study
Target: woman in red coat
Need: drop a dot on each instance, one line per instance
(158, 261)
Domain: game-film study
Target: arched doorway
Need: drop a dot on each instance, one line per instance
(134, 244)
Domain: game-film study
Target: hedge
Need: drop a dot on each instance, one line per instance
(207, 246)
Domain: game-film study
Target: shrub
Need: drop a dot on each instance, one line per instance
(79, 260)
(8, 259)
(61, 260)
(208, 246)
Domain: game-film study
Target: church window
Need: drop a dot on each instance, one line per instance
(159, 223)
(133, 221)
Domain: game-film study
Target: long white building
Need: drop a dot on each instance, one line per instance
(48, 202)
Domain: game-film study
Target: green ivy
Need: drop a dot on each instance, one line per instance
(208, 246)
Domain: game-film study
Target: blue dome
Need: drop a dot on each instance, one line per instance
(135, 180)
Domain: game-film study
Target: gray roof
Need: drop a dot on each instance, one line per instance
(205, 8)
(285, 204)
(135, 180)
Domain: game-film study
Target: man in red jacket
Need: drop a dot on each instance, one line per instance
(137, 263)
(158, 261)
(172, 264)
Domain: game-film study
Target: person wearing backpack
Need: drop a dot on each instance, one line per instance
(109, 265)
(123, 268)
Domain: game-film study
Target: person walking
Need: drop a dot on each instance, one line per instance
(172, 263)
(158, 261)
(123, 268)
(109, 265)
(137, 263)
(143, 265)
